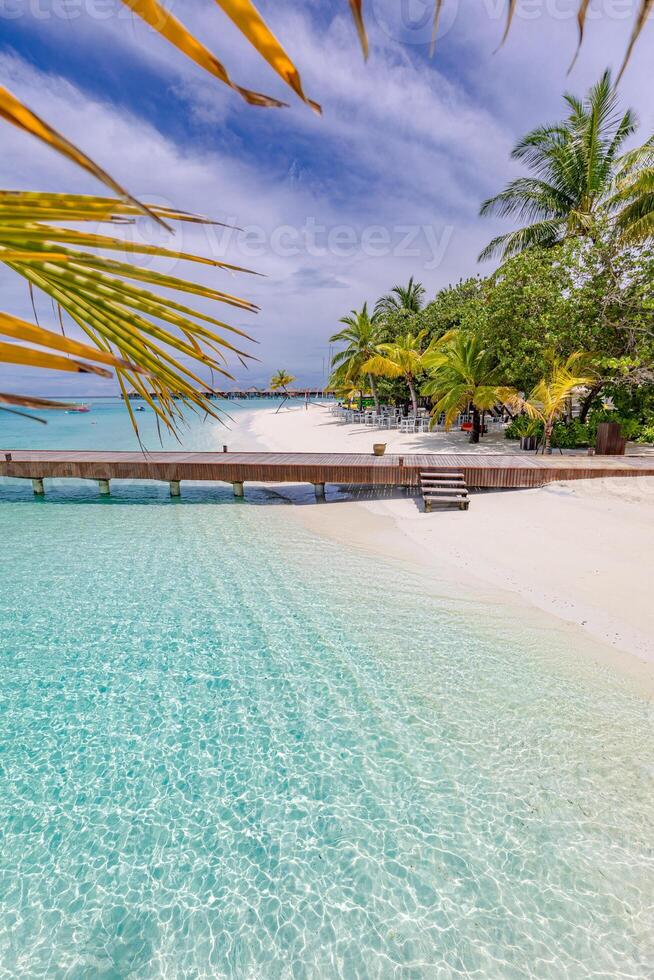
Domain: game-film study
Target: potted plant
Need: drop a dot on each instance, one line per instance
(528, 431)
(379, 448)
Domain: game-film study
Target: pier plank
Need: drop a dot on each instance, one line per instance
(488, 470)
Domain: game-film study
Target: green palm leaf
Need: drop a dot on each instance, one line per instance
(574, 164)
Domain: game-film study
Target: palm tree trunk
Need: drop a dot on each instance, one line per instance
(373, 388)
(412, 392)
(476, 428)
(548, 437)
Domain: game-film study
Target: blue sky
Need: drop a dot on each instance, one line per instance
(335, 210)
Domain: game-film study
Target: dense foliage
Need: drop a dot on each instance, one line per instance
(578, 295)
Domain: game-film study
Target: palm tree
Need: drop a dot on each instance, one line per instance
(550, 398)
(281, 380)
(361, 334)
(634, 194)
(402, 299)
(404, 358)
(462, 374)
(574, 165)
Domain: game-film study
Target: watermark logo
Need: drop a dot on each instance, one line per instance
(426, 245)
(412, 21)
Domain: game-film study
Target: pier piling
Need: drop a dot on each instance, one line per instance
(37, 487)
(103, 487)
(319, 489)
(175, 490)
(238, 488)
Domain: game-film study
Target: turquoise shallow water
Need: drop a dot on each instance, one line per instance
(107, 426)
(231, 749)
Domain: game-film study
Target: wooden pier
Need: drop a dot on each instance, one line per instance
(346, 469)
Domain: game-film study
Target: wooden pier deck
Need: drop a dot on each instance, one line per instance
(507, 470)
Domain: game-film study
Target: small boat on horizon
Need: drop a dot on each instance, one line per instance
(78, 408)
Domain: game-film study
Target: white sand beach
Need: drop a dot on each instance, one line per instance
(581, 550)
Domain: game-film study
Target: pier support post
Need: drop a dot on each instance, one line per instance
(175, 489)
(37, 486)
(319, 489)
(238, 488)
(103, 487)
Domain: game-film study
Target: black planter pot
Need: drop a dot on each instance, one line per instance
(528, 442)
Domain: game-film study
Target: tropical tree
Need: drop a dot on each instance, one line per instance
(404, 358)
(281, 380)
(550, 398)
(464, 373)
(361, 334)
(402, 299)
(634, 194)
(574, 165)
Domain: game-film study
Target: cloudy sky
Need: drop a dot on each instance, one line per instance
(334, 209)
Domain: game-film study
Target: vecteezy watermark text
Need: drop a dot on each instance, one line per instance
(70, 10)
(425, 244)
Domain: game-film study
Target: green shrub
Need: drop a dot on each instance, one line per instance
(570, 435)
(629, 426)
(575, 434)
(521, 426)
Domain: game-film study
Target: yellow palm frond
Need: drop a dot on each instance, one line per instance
(29, 357)
(15, 112)
(356, 6)
(384, 366)
(13, 326)
(252, 25)
(26, 401)
(644, 11)
(141, 331)
(549, 397)
(162, 21)
(280, 380)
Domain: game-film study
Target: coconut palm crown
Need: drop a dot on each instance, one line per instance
(550, 397)
(463, 373)
(281, 380)
(574, 165)
(402, 299)
(634, 194)
(361, 335)
(403, 358)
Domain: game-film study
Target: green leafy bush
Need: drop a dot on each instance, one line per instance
(521, 426)
(576, 434)
(571, 435)
(629, 426)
